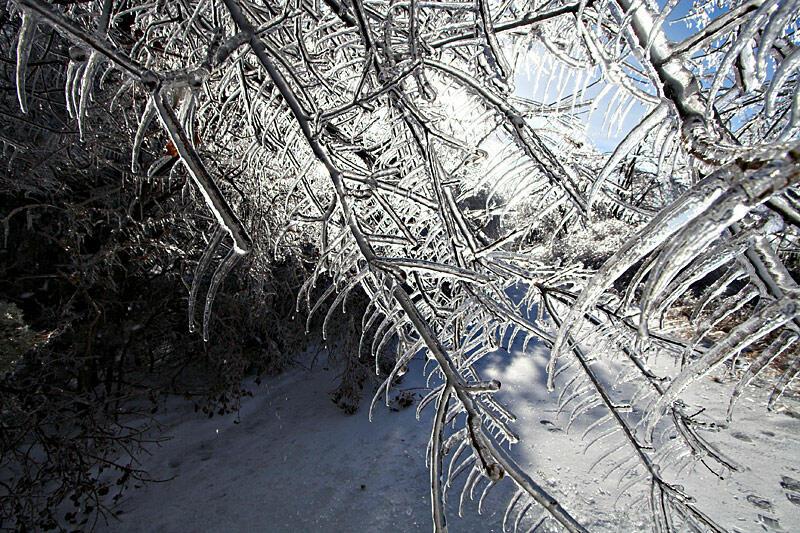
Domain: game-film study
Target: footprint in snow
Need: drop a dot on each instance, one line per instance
(402, 400)
(769, 523)
(741, 436)
(791, 487)
(550, 426)
(792, 413)
(758, 501)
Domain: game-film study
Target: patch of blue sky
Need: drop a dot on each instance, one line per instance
(614, 112)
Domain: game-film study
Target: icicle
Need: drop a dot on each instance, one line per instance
(630, 291)
(521, 515)
(584, 406)
(587, 81)
(624, 115)
(616, 97)
(510, 507)
(615, 123)
(656, 117)
(485, 492)
(727, 307)
(473, 477)
(757, 326)
(161, 165)
(602, 436)
(778, 346)
(596, 102)
(147, 117)
(537, 75)
(200, 269)
(715, 290)
(580, 78)
(666, 148)
(711, 260)
(227, 264)
(71, 69)
(550, 78)
(72, 89)
(561, 85)
(86, 88)
(596, 424)
(340, 297)
(27, 33)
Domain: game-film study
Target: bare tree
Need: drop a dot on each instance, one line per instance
(379, 125)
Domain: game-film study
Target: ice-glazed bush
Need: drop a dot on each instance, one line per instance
(367, 129)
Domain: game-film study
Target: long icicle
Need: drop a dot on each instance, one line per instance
(27, 32)
(224, 267)
(200, 269)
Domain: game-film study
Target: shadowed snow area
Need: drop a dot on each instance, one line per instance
(295, 462)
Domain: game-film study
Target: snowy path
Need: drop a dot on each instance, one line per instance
(295, 462)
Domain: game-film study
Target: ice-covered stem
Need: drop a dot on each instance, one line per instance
(720, 24)
(340, 10)
(629, 143)
(528, 19)
(552, 294)
(483, 447)
(778, 346)
(393, 263)
(744, 183)
(705, 136)
(105, 18)
(492, 51)
(759, 325)
(208, 187)
(437, 459)
(481, 444)
(683, 422)
(668, 222)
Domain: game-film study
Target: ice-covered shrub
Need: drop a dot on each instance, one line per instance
(363, 129)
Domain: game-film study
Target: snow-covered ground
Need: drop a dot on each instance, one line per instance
(292, 461)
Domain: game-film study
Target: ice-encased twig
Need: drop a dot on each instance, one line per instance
(213, 196)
